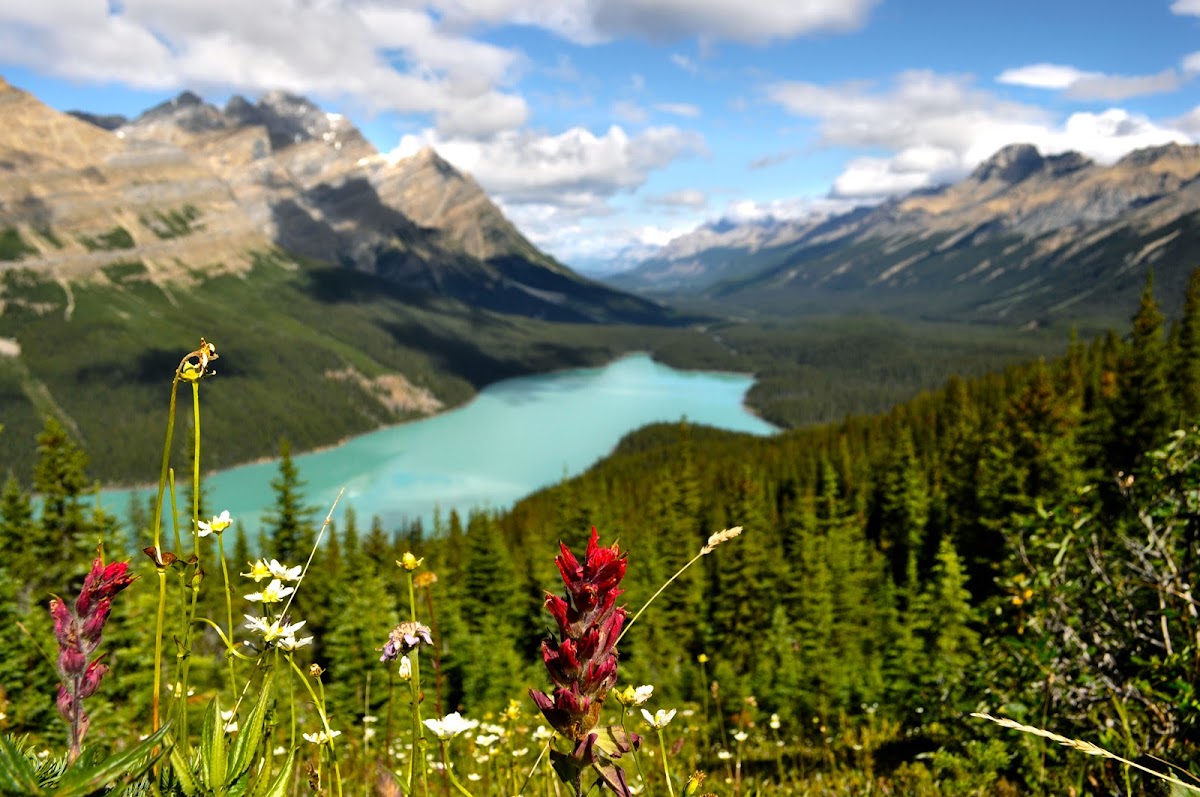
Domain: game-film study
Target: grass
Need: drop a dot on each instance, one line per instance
(116, 238)
(172, 223)
(13, 246)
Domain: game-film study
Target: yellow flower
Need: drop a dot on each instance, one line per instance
(409, 562)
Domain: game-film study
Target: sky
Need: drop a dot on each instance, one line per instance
(604, 128)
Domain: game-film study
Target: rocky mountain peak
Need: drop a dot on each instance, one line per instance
(1012, 164)
(290, 119)
(1166, 153)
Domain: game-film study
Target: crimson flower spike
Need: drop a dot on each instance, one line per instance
(78, 631)
(581, 660)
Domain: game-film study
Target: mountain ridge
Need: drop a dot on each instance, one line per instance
(1024, 238)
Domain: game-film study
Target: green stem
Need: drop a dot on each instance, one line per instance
(662, 746)
(418, 735)
(636, 758)
(320, 704)
(228, 612)
(453, 780)
(541, 755)
(156, 537)
(646, 605)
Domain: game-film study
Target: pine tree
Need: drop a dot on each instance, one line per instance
(289, 527)
(64, 530)
(1187, 358)
(1141, 410)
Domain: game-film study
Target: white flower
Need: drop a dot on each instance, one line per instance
(320, 737)
(473, 776)
(542, 733)
(259, 570)
(659, 719)
(405, 669)
(291, 643)
(280, 750)
(486, 739)
(741, 736)
(774, 722)
(520, 752)
(368, 733)
(274, 593)
(449, 726)
(273, 631)
(283, 572)
(216, 525)
(724, 755)
(231, 727)
(642, 694)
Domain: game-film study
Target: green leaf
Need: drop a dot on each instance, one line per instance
(82, 781)
(251, 733)
(183, 771)
(279, 787)
(17, 775)
(212, 747)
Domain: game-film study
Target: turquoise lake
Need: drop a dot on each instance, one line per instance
(514, 437)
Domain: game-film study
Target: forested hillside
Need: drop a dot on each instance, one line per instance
(1020, 544)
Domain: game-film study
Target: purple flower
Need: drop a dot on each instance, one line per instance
(404, 638)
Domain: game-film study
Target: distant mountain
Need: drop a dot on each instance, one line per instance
(187, 186)
(712, 252)
(1024, 239)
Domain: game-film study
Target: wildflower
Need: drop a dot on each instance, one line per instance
(78, 631)
(741, 736)
(279, 750)
(693, 784)
(194, 365)
(273, 631)
(274, 593)
(582, 663)
(520, 751)
(724, 755)
(404, 638)
(321, 737)
(290, 642)
(659, 719)
(474, 776)
(541, 733)
(702, 658)
(409, 562)
(215, 526)
(633, 697)
(774, 722)
(719, 537)
(405, 669)
(486, 739)
(259, 571)
(449, 726)
(315, 670)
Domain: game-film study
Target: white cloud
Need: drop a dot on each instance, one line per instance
(938, 128)
(679, 109)
(1080, 85)
(576, 168)
(629, 112)
(591, 21)
(1191, 63)
(1043, 76)
(685, 63)
(1186, 7)
(691, 198)
(379, 57)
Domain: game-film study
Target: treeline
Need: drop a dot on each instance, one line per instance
(1007, 543)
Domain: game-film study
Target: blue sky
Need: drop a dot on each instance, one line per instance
(606, 126)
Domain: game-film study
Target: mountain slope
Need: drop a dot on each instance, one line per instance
(318, 188)
(1025, 239)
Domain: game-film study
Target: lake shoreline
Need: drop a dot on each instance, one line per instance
(447, 409)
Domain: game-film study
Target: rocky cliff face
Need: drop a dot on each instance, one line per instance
(279, 171)
(75, 198)
(1025, 238)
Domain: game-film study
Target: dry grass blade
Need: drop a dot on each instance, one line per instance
(1084, 747)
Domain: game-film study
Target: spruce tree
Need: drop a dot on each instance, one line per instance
(1187, 355)
(289, 526)
(1141, 409)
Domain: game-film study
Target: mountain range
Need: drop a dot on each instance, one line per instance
(1025, 239)
(345, 290)
(189, 187)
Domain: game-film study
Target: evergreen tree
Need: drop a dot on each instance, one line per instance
(1141, 409)
(289, 527)
(64, 531)
(1187, 355)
